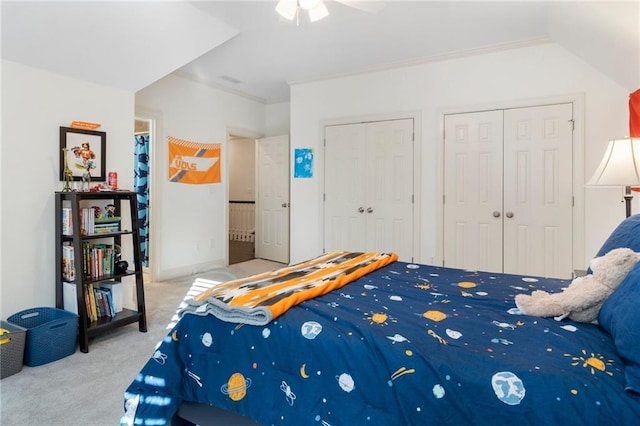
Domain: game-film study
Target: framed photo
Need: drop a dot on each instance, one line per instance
(86, 152)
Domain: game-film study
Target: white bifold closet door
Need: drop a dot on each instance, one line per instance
(508, 190)
(368, 202)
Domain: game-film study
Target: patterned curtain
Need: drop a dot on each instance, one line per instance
(141, 172)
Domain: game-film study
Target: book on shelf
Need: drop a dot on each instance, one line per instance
(116, 294)
(92, 312)
(67, 221)
(68, 263)
(70, 297)
(87, 220)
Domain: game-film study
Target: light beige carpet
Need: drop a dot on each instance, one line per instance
(87, 389)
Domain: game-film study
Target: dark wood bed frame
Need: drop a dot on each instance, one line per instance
(192, 414)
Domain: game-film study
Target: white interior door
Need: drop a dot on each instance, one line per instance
(508, 190)
(345, 188)
(389, 201)
(538, 190)
(473, 191)
(272, 203)
(369, 187)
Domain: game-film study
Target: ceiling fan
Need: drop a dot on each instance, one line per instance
(317, 10)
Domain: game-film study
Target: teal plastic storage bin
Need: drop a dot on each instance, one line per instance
(52, 334)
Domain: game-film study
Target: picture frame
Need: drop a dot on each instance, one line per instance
(84, 148)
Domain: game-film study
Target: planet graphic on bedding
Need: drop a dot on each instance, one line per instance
(346, 383)
(508, 387)
(311, 329)
(236, 387)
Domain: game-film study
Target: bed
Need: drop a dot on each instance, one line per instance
(405, 344)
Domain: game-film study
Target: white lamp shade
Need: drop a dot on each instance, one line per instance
(620, 165)
(287, 8)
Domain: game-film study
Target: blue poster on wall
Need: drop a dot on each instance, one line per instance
(303, 167)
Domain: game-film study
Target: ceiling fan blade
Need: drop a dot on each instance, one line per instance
(371, 6)
(287, 8)
(318, 12)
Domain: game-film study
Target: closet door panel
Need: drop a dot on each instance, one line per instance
(389, 206)
(473, 191)
(345, 188)
(538, 190)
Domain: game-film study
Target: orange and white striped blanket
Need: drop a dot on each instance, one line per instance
(260, 298)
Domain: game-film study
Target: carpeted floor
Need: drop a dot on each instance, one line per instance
(87, 389)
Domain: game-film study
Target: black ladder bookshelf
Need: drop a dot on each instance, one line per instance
(77, 238)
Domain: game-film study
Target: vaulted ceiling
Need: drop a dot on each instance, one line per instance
(246, 47)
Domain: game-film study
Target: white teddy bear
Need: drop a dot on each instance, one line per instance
(582, 300)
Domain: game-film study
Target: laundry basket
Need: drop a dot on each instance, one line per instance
(52, 334)
(12, 339)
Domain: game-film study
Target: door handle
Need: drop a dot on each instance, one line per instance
(360, 209)
(369, 210)
(285, 205)
(496, 213)
(509, 215)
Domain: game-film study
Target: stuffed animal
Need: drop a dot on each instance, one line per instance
(582, 300)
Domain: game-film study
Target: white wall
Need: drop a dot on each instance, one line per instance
(501, 77)
(278, 119)
(35, 104)
(189, 222)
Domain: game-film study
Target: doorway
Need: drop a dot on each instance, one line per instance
(242, 198)
(258, 171)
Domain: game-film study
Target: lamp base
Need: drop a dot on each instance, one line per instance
(628, 196)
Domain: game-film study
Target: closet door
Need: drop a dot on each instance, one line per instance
(508, 190)
(369, 187)
(345, 188)
(473, 191)
(389, 201)
(538, 190)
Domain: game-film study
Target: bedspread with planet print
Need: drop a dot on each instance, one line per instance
(404, 345)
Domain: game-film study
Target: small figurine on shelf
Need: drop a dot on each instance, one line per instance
(110, 210)
(66, 173)
(86, 181)
(120, 264)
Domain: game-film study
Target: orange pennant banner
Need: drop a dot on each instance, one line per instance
(192, 162)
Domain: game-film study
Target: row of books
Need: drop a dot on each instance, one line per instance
(89, 223)
(99, 260)
(101, 301)
(106, 225)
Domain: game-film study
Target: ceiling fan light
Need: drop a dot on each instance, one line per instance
(287, 8)
(318, 12)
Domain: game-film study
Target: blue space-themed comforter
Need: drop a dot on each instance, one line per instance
(404, 345)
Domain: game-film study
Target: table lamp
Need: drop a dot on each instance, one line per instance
(620, 166)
